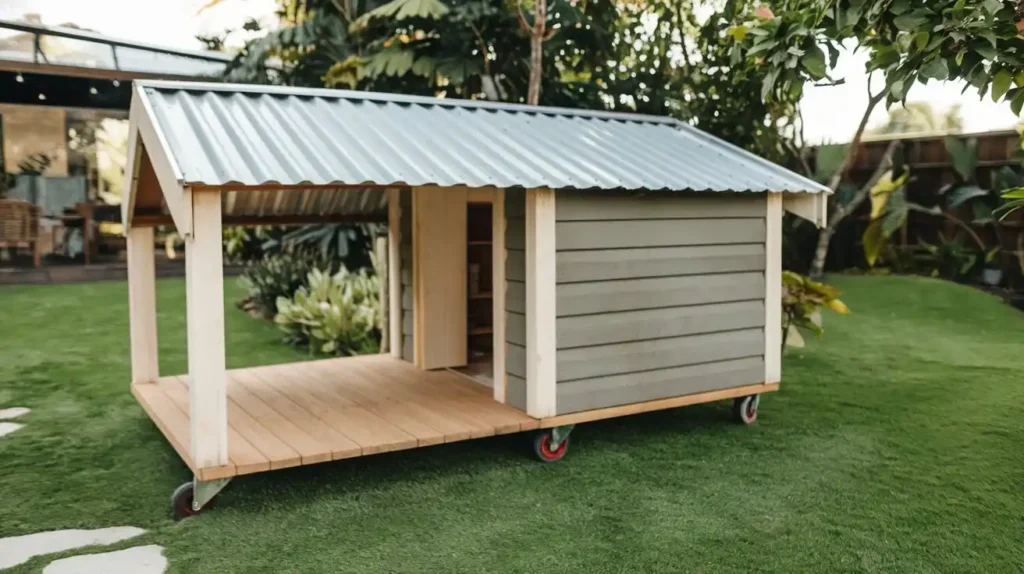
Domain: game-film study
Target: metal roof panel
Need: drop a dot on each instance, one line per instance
(223, 134)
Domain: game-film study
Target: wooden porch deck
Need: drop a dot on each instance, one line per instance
(304, 413)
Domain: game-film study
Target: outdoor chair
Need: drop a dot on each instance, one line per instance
(19, 226)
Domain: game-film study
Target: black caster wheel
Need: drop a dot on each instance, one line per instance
(744, 409)
(181, 502)
(542, 442)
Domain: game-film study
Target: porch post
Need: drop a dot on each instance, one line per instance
(541, 374)
(142, 305)
(498, 256)
(395, 272)
(773, 290)
(204, 279)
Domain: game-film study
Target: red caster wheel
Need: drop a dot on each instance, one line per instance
(542, 446)
(181, 502)
(744, 409)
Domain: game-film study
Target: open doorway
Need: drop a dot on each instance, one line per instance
(479, 292)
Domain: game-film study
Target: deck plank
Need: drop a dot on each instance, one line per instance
(317, 411)
(277, 453)
(168, 418)
(246, 458)
(302, 414)
(409, 414)
(423, 400)
(371, 432)
(310, 449)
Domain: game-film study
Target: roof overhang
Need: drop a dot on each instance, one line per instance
(810, 206)
(297, 155)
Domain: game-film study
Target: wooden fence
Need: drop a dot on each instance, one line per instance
(931, 168)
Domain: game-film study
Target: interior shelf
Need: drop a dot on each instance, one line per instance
(479, 290)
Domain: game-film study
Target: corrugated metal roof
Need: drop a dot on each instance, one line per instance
(221, 134)
(313, 201)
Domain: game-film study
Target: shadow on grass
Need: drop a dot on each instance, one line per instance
(513, 452)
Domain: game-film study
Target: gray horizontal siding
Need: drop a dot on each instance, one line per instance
(631, 294)
(657, 295)
(515, 298)
(665, 232)
(603, 265)
(515, 391)
(602, 392)
(603, 329)
(637, 356)
(407, 351)
(515, 265)
(515, 359)
(515, 328)
(608, 328)
(515, 233)
(590, 206)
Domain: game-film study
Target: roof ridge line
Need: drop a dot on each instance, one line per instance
(401, 99)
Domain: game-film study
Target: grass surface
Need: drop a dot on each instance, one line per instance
(893, 446)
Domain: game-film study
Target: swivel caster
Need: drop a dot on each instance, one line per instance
(195, 497)
(181, 502)
(551, 445)
(744, 409)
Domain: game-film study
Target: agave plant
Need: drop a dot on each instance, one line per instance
(333, 314)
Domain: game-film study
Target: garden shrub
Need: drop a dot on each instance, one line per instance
(275, 276)
(802, 302)
(335, 314)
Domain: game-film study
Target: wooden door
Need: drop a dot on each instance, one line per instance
(439, 270)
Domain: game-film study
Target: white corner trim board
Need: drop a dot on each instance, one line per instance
(16, 550)
(773, 290)
(541, 375)
(13, 412)
(7, 428)
(139, 560)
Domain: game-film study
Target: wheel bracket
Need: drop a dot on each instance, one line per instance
(203, 491)
(559, 434)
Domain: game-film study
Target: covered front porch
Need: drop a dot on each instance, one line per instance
(317, 411)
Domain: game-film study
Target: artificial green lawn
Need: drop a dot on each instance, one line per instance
(893, 446)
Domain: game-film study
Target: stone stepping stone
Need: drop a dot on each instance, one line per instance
(13, 412)
(139, 560)
(16, 550)
(6, 429)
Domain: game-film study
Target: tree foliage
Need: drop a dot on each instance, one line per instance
(908, 41)
(652, 56)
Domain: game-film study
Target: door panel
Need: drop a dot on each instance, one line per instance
(439, 241)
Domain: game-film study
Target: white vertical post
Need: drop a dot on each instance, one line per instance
(142, 305)
(541, 375)
(204, 278)
(395, 271)
(498, 292)
(773, 290)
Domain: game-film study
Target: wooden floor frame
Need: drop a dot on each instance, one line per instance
(281, 416)
(295, 414)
